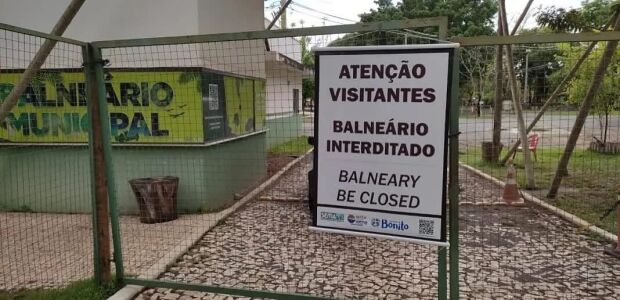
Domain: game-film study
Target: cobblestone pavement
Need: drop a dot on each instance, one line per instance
(506, 253)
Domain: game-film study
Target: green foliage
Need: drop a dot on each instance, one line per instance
(465, 17)
(385, 11)
(307, 59)
(307, 88)
(86, 289)
(542, 63)
(606, 100)
(593, 15)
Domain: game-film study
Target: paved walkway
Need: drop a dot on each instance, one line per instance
(506, 253)
(52, 250)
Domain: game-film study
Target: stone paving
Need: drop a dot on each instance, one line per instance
(506, 253)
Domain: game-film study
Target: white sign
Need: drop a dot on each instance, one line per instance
(381, 136)
(214, 99)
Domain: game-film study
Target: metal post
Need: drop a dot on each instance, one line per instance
(453, 178)
(99, 206)
(618, 229)
(442, 273)
(525, 87)
(107, 155)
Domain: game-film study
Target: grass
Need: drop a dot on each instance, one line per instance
(588, 192)
(296, 147)
(86, 289)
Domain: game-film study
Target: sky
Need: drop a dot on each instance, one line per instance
(335, 12)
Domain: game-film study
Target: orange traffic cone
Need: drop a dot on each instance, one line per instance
(511, 190)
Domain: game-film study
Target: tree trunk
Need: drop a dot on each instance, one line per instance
(606, 125)
(584, 110)
(479, 95)
(521, 17)
(527, 161)
(551, 99)
(499, 96)
(39, 58)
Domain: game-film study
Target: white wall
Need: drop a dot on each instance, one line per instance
(281, 80)
(123, 19)
(107, 19)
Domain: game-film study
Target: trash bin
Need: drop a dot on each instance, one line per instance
(157, 198)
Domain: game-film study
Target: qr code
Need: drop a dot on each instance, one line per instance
(426, 227)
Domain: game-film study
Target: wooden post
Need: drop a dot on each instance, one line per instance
(101, 213)
(529, 169)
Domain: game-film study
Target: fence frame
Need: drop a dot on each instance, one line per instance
(92, 57)
(440, 22)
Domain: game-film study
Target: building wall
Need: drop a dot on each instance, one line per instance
(281, 81)
(109, 19)
(288, 46)
(283, 129)
(57, 179)
(122, 19)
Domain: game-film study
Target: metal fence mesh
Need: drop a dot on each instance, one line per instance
(527, 251)
(230, 118)
(45, 223)
(258, 113)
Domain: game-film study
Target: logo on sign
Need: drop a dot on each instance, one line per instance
(375, 222)
(394, 225)
(334, 217)
(357, 220)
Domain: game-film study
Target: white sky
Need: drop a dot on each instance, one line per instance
(350, 9)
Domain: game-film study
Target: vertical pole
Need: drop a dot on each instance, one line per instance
(527, 62)
(101, 233)
(107, 155)
(442, 29)
(442, 274)
(618, 229)
(499, 96)
(283, 6)
(453, 178)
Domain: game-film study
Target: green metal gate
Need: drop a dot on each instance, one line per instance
(233, 61)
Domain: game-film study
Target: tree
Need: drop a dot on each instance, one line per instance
(560, 21)
(593, 88)
(591, 16)
(385, 11)
(465, 17)
(307, 59)
(609, 92)
(542, 63)
(516, 99)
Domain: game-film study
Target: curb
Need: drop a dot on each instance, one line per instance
(130, 291)
(579, 222)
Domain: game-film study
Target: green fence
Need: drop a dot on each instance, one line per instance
(228, 115)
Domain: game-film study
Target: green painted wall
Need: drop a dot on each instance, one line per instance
(57, 179)
(283, 129)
